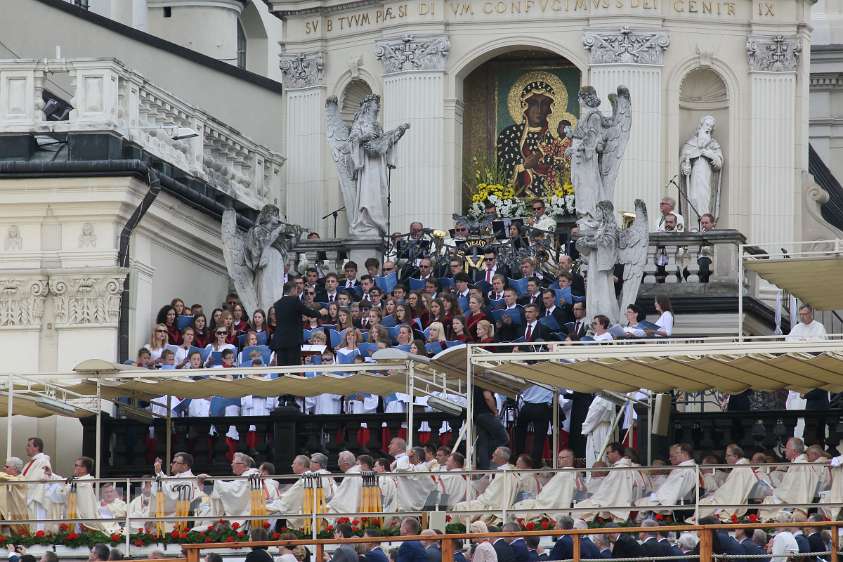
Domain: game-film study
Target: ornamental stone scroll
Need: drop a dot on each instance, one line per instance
(626, 46)
(302, 70)
(413, 53)
(773, 53)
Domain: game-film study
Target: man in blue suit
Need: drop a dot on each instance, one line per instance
(751, 543)
(519, 545)
(374, 552)
(411, 551)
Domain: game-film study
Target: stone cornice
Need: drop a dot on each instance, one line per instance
(302, 70)
(773, 53)
(413, 53)
(626, 46)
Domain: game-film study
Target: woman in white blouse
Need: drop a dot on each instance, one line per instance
(665, 321)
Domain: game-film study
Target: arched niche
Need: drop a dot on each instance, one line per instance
(352, 95)
(703, 92)
(490, 106)
(255, 42)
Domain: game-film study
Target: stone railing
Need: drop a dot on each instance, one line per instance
(693, 263)
(108, 96)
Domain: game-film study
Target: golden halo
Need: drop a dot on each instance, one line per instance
(560, 99)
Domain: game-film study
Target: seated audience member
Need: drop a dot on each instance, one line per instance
(679, 484)
(633, 317)
(201, 333)
(458, 331)
(735, 489)
(600, 328)
(485, 332)
(436, 334)
(665, 321)
(476, 314)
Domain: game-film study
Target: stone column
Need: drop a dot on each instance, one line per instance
(413, 92)
(633, 59)
(304, 83)
(773, 62)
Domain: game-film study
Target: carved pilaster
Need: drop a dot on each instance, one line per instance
(413, 53)
(87, 298)
(22, 300)
(773, 53)
(626, 46)
(302, 70)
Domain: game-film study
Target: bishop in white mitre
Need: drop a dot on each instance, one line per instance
(616, 489)
(291, 500)
(798, 485)
(556, 496)
(37, 503)
(734, 490)
(597, 427)
(234, 497)
(87, 506)
(347, 496)
(500, 492)
(680, 482)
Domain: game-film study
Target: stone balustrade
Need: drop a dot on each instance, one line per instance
(109, 97)
(693, 263)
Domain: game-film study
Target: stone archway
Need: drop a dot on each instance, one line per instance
(491, 109)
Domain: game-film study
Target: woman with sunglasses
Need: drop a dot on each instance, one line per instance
(157, 343)
(219, 344)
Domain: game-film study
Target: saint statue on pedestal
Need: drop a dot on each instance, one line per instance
(700, 159)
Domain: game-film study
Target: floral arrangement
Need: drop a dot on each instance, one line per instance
(358, 527)
(490, 186)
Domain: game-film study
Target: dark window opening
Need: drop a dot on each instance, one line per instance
(168, 12)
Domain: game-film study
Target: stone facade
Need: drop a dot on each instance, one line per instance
(418, 54)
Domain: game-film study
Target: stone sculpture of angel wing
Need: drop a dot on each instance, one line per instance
(616, 136)
(338, 138)
(234, 251)
(633, 246)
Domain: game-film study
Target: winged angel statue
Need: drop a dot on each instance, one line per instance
(255, 260)
(362, 154)
(598, 146)
(633, 243)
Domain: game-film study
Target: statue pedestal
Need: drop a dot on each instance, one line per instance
(361, 249)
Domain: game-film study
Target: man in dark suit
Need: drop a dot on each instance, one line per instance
(533, 549)
(431, 547)
(533, 294)
(815, 535)
(650, 540)
(566, 264)
(561, 313)
(287, 339)
(624, 545)
(490, 268)
(519, 545)
(411, 551)
(374, 552)
(564, 547)
(588, 549)
(746, 538)
(504, 550)
(804, 545)
(533, 329)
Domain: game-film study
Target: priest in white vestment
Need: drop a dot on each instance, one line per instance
(347, 497)
(807, 329)
(798, 485)
(233, 497)
(319, 465)
(13, 496)
(291, 500)
(735, 490)
(500, 492)
(616, 490)
(597, 427)
(181, 468)
(87, 506)
(413, 488)
(138, 509)
(556, 496)
(680, 483)
(453, 484)
(36, 500)
(388, 486)
(835, 494)
(112, 505)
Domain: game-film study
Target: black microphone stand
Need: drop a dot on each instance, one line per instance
(335, 213)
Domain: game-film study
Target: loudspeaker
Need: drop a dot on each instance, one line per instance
(661, 414)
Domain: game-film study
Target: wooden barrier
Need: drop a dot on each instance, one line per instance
(705, 532)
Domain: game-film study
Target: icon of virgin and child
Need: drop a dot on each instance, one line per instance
(531, 151)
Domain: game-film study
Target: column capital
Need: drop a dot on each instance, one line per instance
(24, 294)
(89, 298)
(302, 70)
(773, 53)
(626, 46)
(413, 53)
